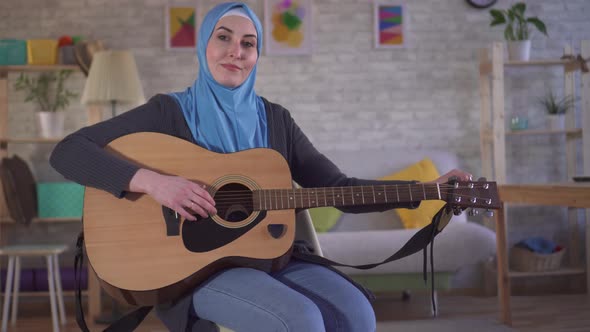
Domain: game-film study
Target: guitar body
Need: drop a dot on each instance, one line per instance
(143, 255)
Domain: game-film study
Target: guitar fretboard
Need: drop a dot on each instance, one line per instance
(280, 199)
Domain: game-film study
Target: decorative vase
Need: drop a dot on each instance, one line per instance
(519, 50)
(51, 124)
(556, 121)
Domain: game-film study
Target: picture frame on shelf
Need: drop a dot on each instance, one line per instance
(390, 24)
(181, 28)
(288, 28)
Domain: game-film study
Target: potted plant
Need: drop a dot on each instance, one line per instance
(556, 109)
(517, 30)
(48, 92)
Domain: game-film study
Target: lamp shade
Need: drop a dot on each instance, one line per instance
(113, 78)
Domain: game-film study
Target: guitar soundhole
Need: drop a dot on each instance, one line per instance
(233, 202)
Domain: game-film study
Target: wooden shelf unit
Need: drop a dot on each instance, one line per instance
(94, 116)
(494, 134)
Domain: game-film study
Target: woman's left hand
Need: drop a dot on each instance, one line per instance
(459, 174)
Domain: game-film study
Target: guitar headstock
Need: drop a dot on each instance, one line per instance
(472, 194)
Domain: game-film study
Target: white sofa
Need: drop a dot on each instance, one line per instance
(459, 250)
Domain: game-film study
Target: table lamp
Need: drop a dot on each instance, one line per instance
(113, 79)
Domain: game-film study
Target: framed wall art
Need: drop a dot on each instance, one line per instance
(181, 28)
(288, 27)
(390, 22)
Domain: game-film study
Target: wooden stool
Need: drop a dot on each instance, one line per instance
(14, 254)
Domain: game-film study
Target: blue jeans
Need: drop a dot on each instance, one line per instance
(300, 297)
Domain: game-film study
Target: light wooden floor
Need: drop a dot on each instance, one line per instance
(531, 313)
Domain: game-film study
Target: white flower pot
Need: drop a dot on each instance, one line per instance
(51, 124)
(556, 121)
(519, 50)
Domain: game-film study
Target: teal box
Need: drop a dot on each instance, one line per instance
(60, 199)
(13, 52)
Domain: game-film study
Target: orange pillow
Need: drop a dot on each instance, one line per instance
(422, 171)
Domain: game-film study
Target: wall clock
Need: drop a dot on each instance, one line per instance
(481, 3)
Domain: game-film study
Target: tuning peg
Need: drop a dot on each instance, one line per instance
(489, 213)
(473, 212)
(482, 179)
(457, 210)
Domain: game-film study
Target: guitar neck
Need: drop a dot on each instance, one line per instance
(281, 199)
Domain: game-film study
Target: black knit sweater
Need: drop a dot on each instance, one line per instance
(80, 157)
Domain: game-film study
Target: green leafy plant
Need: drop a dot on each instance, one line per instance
(517, 25)
(554, 106)
(47, 90)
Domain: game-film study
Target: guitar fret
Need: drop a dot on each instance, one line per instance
(397, 192)
(385, 193)
(363, 194)
(352, 194)
(325, 199)
(333, 197)
(316, 199)
(276, 200)
(410, 191)
(342, 192)
(438, 189)
(374, 198)
(301, 196)
(424, 190)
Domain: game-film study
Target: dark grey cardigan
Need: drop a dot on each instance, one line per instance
(80, 157)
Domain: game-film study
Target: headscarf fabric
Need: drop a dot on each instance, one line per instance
(223, 119)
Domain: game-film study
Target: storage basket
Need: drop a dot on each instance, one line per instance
(13, 52)
(524, 260)
(42, 51)
(60, 199)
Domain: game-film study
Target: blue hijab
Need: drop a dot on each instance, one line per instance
(224, 119)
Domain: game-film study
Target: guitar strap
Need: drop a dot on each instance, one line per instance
(419, 241)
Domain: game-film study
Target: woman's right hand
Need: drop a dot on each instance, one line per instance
(175, 192)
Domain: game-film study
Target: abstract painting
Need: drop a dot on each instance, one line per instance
(181, 28)
(390, 25)
(288, 27)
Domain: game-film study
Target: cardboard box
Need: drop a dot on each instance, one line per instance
(60, 199)
(13, 52)
(42, 51)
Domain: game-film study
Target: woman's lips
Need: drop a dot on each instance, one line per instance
(231, 67)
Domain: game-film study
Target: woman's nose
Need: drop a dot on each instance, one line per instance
(234, 50)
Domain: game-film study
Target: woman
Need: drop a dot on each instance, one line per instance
(221, 112)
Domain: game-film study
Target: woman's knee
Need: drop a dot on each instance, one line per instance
(302, 316)
(356, 315)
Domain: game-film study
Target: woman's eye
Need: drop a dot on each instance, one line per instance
(222, 37)
(247, 44)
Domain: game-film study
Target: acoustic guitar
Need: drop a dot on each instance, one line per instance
(144, 254)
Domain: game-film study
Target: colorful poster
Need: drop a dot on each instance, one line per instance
(390, 25)
(288, 27)
(181, 28)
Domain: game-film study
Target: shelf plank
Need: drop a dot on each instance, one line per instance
(540, 62)
(44, 220)
(36, 68)
(560, 272)
(30, 140)
(524, 132)
(46, 293)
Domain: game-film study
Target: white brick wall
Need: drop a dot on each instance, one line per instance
(347, 95)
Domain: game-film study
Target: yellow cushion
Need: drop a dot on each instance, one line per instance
(324, 218)
(422, 171)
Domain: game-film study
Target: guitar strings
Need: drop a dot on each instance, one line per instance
(246, 200)
(274, 195)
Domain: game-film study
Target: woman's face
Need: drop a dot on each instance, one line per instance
(231, 51)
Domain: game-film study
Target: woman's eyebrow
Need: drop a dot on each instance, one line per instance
(231, 31)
